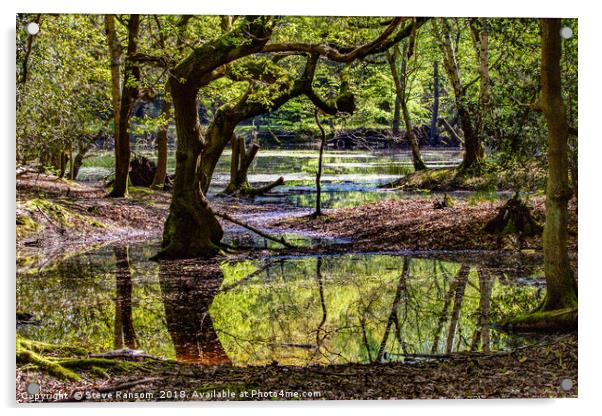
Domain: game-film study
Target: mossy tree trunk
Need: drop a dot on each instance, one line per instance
(480, 36)
(191, 228)
(561, 286)
(558, 311)
(161, 172)
(129, 94)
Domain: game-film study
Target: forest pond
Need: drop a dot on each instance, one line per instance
(301, 310)
(350, 177)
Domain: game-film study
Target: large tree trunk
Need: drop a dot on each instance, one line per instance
(399, 79)
(191, 229)
(473, 149)
(161, 173)
(129, 94)
(561, 286)
(558, 311)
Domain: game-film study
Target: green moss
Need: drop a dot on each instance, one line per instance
(45, 364)
(54, 349)
(61, 214)
(56, 212)
(52, 359)
(26, 225)
(541, 320)
(140, 191)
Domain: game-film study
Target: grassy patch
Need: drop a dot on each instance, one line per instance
(26, 225)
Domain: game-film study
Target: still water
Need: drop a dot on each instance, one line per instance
(349, 178)
(286, 310)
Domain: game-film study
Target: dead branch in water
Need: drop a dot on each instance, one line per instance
(257, 231)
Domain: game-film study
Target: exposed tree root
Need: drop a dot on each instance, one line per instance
(558, 320)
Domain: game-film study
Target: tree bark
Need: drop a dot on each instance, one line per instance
(318, 210)
(161, 173)
(480, 36)
(561, 290)
(399, 79)
(191, 228)
(129, 94)
(396, 117)
(434, 132)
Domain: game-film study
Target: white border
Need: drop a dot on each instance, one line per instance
(589, 210)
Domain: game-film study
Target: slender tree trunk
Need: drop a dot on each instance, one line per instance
(161, 173)
(473, 149)
(318, 210)
(131, 77)
(399, 79)
(115, 60)
(434, 133)
(561, 286)
(396, 117)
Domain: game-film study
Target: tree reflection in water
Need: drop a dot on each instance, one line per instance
(187, 294)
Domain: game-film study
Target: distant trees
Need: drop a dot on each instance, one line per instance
(61, 91)
(399, 79)
(473, 148)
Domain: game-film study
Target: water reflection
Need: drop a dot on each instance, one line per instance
(187, 297)
(125, 336)
(289, 310)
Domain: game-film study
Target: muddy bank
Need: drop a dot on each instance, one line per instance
(532, 372)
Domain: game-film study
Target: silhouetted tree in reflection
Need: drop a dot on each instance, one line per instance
(187, 294)
(125, 336)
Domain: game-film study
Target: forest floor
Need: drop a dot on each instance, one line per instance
(536, 371)
(56, 217)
